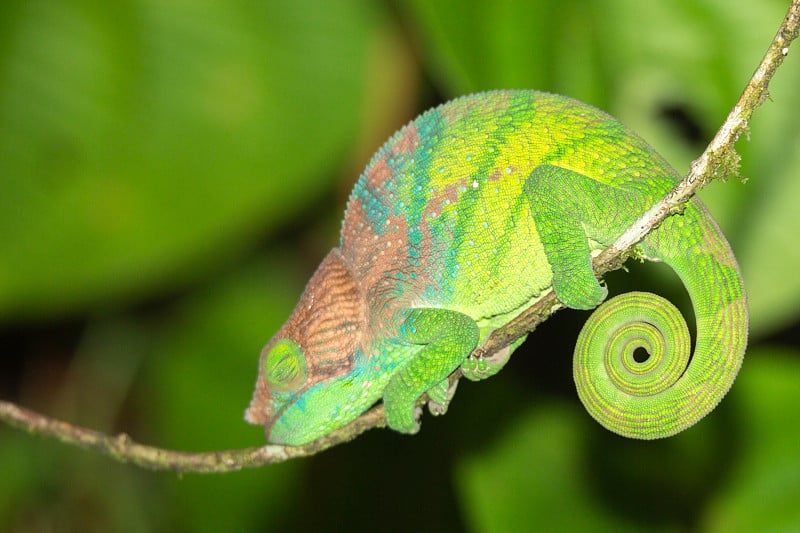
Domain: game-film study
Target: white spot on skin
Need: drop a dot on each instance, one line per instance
(475, 184)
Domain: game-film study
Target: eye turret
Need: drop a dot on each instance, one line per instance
(285, 366)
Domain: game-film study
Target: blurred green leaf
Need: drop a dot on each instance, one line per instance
(534, 477)
(770, 219)
(472, 45)
(46, 486)
(141, 142)
(764, 487)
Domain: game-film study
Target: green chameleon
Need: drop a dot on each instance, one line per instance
(462, 220)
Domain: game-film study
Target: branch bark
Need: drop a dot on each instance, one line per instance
(719, 158)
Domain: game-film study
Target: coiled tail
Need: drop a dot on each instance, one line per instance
(632, 365)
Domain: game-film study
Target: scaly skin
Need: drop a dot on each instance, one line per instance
(460, 222)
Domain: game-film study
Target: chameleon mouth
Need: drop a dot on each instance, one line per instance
(257, 416)
(260, 411)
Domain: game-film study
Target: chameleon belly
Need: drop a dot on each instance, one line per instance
(459, 222)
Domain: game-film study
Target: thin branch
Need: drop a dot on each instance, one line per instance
(122, 448)
(719, 158)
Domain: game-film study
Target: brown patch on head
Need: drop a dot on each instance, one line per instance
(328, 321)
(327, 324)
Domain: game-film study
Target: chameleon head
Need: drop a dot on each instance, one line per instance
(304, 369)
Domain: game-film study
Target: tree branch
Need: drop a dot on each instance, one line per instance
(122, 448)
(719, 158)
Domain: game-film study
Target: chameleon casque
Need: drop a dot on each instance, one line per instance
(461, 221)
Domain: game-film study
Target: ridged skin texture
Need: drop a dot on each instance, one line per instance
(461, 221)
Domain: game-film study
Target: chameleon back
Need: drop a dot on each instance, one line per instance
(439, 217)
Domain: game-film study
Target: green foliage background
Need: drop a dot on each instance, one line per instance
(172, 172)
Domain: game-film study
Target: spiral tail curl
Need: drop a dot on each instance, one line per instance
(667, 391)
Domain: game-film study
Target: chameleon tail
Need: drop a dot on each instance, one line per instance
(660, 394)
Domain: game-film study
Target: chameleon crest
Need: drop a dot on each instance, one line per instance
(464, 219)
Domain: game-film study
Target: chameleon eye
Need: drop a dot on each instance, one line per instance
(285, 367)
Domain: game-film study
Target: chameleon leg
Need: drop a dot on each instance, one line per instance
(448, 338)
(475, 368)
(563, 204)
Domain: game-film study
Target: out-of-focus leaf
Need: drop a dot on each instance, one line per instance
(764, 488)
(472, 45)
(768, 251)
(142, 141)
(49, 486)
(534, 478)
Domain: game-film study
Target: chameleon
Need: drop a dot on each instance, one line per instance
(466, 217)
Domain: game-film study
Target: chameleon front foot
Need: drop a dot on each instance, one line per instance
(447, 337)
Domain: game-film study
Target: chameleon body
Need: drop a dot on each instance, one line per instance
(462, 220)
